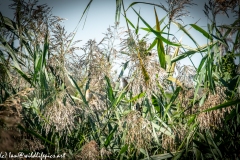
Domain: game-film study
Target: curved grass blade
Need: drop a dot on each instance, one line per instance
(144, 71)
(132, 4)
(137, 28)
(110, 90)
(171, 67)
(163, 130)
(220, 40)
(78, 89)
(152, 45)
(196, 27)
(125, 65)
(110, 136)
(193, 51)
(131, 24)
(160, 22)
(140, 95)
(160, 47)
(157, 33)
(119, 98)
(123, 150)
(186, 32)
(118, 10)
(35, 134)
(75, 30)
(224, 105)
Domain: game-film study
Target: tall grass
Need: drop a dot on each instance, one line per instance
(77, 107)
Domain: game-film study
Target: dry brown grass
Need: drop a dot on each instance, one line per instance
(143, 66)
(222, 6)
(11, 138)
(170, 143)
(213, 119)
(58, 112)
(207, 120)
(138, 130)
(90, 151)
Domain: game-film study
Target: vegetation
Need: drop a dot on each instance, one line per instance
(55, 100)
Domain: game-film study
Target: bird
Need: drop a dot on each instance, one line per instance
(237, 70)
(123, 83)
(138, 107)
(88, 95)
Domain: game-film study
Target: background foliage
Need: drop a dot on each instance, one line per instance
(56, 101)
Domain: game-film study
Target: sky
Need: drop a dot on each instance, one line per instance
(101, 15)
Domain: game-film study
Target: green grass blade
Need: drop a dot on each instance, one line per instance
(79, 90)
(152, 45)
(110, 136)
(160, 47)
(118, 10)
(110, 90)
(131, 24)
(193, 51)
(125, 65)
(162, 130)
(140, 95)
(206, 34)
(119, 98)
(224, 105)
(134, 3)
(123, 150)
(186, 32)
(45, 51)
(35, 134)
(157, 33)
(137, 27)
(11, 51)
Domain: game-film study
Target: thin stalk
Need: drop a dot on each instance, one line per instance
(124, 11)
(169, 26)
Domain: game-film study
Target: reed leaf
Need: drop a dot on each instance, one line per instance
(118, 10)
(109, 90)
(79, 90)
(223, 105)
(140, 95)
(196, 27)
(110, 136)
(157, 33)
(171, 68)
(35, 134)
(186, 32)
(160, 47)
(134, 3)
(131, 24)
